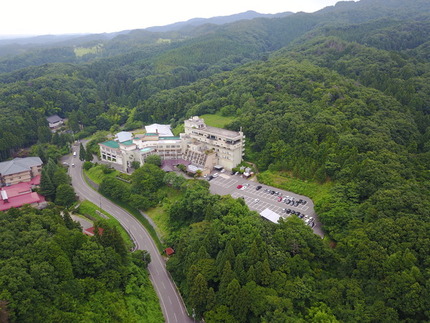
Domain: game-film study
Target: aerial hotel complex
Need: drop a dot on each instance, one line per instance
(201, 146)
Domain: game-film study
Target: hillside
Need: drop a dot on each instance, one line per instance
(340, 96)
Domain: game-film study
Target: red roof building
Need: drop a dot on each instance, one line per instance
(20, 194)
(169, 251)
(90, 231)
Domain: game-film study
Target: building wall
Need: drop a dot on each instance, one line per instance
(17, 178)
(112, 155)
(36, 170)
(56, 124)
(226, 147)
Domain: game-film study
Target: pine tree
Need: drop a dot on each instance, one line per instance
(265, 273)
(240, 305)
(232, 292)
(47, 188)
(210, 299)
(251, 274)
(239, 269)
(82, 152)
(51, 167)
(89, 155)
(198, 295)
(227, 276)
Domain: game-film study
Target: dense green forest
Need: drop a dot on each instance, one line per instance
(233, 267)
(341, 96)
(51, 272)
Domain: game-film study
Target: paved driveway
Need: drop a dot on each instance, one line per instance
(259, 200)
(170, 300)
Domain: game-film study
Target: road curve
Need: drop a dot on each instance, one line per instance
(170, 300)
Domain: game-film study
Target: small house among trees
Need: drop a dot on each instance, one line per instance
(55, 121)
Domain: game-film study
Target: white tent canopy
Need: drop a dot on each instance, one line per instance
(270, 215)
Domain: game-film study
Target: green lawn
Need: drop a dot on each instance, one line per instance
(96, 174)
(215, 120)
(317, 192)
(159, 214)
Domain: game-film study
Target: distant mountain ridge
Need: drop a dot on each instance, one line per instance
(195, 22)
(219, 20)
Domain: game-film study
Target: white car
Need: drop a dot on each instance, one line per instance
(215, 175)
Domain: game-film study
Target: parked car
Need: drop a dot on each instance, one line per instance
(258, 187)
(215, 175)
(239, 187)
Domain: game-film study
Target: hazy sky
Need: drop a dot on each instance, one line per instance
(35, 17)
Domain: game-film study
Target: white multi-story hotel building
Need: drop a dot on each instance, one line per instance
(203, 146)
(227, 145)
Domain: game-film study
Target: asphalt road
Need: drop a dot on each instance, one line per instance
(170, 300)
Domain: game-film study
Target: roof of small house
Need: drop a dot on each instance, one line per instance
(169, 251)
(54, 118)
(90, 231)
(19, 165)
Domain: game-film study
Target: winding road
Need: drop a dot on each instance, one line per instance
(170, 300)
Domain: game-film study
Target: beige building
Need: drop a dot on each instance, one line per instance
(228, 146)
(202, 145)
(20, 170)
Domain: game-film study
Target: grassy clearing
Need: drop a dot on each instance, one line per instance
(317, 192)
(215, 120)
(159, 213)
(178, 129)
(90, 209)
(96, 174)
(82, 51)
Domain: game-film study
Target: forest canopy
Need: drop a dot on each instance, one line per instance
(340, 96)
(50, 272)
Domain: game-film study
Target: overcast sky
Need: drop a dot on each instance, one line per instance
(40, 17)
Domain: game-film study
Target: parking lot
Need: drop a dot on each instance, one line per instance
(267, 197)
